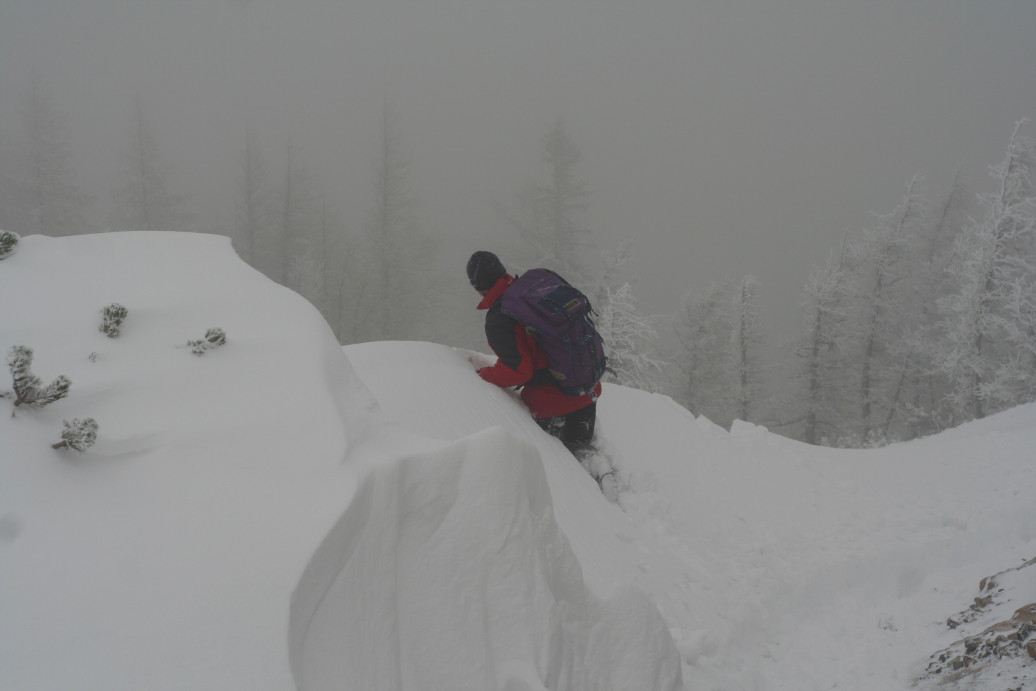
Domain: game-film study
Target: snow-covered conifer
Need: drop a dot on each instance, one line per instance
(988, 326)
(144, 201)
(43, 190)
(394, 291)
(746, 351)
(300, 212)
(256, 211)
(930, 279)
(112, 317)
(78, 434)
(28, 388)
(882, 266)
(548, 215)
(8, 243)
(214, 338)
(703, 329)
(822, 405)
(629, 337)
(612, 266)
(19, 359)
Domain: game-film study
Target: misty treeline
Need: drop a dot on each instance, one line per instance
(924, 321)
(373, 282)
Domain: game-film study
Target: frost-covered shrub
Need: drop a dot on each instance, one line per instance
(213, 338)
(8, 243)
(78, 434)
(112, 317)
(28, 388)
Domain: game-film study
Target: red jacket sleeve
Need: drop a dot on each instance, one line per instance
(503, 374)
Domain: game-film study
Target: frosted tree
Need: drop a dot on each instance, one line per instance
(28, 388)
(8, 243)
(340, 260)
(929, 279)
(78, 434)
(8, 219)
(393, 296)
(322, 295)
(145, 201)
(703, 330)
(548, 213)
(299, 221)
(43, 196)
(989, 324)
(112, 317)
(822, 406)
(948, 222)
(630, 339)
(746, 344)
(628, 334)
(391, 227)
(563, 198)
(255, 215)
(613, 265)
(327, 267)
(814, 346)
(883, 265)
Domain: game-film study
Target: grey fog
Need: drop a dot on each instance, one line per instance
(707, 142)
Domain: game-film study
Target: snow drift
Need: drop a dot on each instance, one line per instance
(454, 563)
(249, 518)
(777, 565)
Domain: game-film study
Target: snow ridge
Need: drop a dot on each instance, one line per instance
(453, 574)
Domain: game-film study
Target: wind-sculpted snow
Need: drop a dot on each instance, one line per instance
(250, 520)
(448, 572)
(164, 556)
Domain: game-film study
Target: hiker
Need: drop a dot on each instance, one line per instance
(522, 362)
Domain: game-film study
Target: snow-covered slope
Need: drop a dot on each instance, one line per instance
(164, 556)
(777, 565)
(279, 513)
(248, 519)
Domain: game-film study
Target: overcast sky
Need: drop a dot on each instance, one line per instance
(727, 137)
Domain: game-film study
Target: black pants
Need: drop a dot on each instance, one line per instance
(575, 430)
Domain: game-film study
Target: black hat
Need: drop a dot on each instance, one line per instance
(484, 269)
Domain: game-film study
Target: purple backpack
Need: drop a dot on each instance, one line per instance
(560, 318)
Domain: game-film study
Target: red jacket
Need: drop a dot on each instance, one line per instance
(521, 361)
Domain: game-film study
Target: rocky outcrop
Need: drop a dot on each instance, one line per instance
(1003, 651)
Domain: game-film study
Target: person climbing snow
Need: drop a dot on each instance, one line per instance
(560, 383)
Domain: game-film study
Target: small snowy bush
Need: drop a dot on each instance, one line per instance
(28, 388)
(8, 243)
(213, 338)
(112, 317)
(78, 434)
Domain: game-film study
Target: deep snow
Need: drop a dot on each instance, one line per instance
(281, 513)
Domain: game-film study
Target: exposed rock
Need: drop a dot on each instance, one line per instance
(1005, 645)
